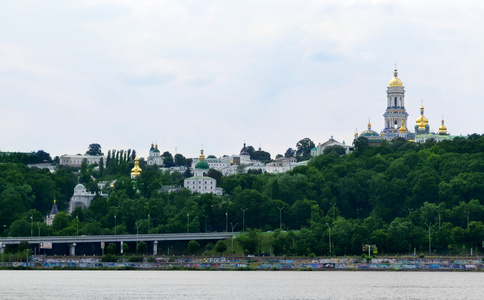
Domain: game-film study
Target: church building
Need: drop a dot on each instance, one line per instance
(200, 182)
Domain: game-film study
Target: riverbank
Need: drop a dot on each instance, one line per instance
(255, 263)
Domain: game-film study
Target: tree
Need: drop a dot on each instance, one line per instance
(168, 159)
(193, 247)
(336, 149)
(303, 148)
(142, 247)
(180, 160)
(217, 175)
(94, 149)
(289, 152)
(262, 156)
(221, 247)
(111, 249)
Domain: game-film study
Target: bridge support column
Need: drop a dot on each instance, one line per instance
(155, 248)
(72, 249)
(2, 248)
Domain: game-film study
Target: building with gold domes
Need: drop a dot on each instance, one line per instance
(200, 183)
(396, 117)
(154, 157)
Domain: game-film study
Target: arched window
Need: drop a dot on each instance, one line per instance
(395, 101)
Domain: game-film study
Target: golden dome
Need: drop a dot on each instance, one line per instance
(395, 81)
(201, 157)
(422, 120)
(402, 128)
(136, 170)
(442, 128)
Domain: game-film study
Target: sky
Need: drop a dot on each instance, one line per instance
(215, 74)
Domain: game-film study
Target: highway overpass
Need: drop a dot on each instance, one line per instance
(72, 241)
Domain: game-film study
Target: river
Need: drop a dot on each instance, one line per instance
(87, 284)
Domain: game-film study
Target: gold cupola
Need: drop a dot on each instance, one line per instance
(136, 170)
(201, 157)
(422, 121)
(402, 128)
(442, 128)
(395, 80)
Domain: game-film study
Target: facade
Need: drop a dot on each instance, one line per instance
(281, 165)
(81, 198)
(395, 115)
(200, 183)
(76, 160)
(319, 149)
(154, 157)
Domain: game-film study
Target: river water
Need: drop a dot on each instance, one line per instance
(57, 284)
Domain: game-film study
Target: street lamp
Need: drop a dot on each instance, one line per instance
(334, 204)
(188, 223)
(243, 218)
(38, 225)
(77, 218)
(233, 227)
(137, 224)
(206, 216)
(115, 223)
(31, 225)
(226, 220)
(329, 231)
(280, 216)
(430, 241)
(149, 223)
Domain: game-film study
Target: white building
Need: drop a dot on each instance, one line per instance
(319, 149)
(281, 165)
(81, 198)
(76, 160)
(200, 183)
(154, 157)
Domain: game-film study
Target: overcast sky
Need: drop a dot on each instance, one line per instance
(184, 74)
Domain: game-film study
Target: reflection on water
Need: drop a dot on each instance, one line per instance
(240, 285)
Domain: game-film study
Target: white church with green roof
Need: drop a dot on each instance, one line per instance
(200, 183)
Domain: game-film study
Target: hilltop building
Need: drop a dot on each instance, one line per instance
(200, 183)
(154, 157)
(76, 160)
(319, 149)
(49, 219)
(396, 117)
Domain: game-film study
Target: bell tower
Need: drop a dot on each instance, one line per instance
(395, 114)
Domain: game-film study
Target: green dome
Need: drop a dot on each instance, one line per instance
(370, 134)
(156, 150)
(202, 165)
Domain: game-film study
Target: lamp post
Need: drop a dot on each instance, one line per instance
(149, 223)
(188, 223)
(77, 223)
(280, 216)
(334, 213)
(226, 220)
(137, 224)
(38, 225)
(329, 234)
(115, 223)
(233, 227)
(31, 225)
(206, 216)
(430, 241)
(243, 218)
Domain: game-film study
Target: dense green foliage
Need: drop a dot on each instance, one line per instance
(390, 195)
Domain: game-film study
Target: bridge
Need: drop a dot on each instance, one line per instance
(72, 241)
